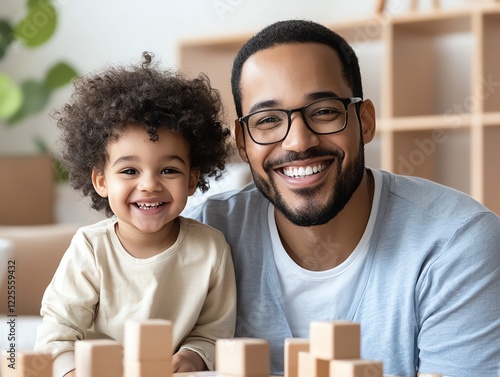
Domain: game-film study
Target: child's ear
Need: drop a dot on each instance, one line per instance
(99, 183)
(194, 176)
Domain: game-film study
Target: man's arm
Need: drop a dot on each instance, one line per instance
(457, 301)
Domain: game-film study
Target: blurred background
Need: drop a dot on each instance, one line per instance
(87, 35)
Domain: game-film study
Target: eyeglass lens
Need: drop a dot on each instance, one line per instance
(323, 117)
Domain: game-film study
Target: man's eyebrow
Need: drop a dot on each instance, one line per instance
(266, 104)
(320, 95)
(273, 103)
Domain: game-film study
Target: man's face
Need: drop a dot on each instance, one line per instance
(329, 167)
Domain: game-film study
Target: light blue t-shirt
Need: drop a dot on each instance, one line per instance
(429, 296)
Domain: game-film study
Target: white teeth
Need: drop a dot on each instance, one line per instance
(149, 205)
(303, 171)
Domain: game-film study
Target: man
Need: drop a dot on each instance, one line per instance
(318, 236)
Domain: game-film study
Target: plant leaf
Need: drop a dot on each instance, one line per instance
(11, 97)
(36, 96)
(6, 37)
(39, 25)
(59, 75)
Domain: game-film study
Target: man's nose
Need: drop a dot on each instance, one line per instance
(299, 137)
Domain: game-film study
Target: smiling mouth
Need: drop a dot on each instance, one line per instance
(304, 171)
(148, 206)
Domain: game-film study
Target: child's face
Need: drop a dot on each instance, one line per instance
(147, 183)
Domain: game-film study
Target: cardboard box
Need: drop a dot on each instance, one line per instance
(27, 190)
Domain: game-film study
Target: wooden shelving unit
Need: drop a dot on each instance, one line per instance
(434, 78)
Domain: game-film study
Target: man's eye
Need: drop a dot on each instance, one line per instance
(128, 171)
(269, 119)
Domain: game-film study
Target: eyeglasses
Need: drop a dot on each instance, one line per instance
(323, 117)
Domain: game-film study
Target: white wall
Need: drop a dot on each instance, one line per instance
(93, 33)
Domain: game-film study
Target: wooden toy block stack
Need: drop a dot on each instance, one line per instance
(334, 351)
(148, 348)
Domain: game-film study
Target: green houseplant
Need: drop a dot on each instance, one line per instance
(21, 100)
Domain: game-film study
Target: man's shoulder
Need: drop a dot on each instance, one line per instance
(433, 199)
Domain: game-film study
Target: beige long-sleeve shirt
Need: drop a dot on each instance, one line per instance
(99, 286)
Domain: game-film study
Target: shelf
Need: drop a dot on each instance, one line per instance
(491, 119)
(435, 22)
(429, 122)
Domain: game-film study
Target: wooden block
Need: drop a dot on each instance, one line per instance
(26, 364)
(98, 358)
(246, 357)
(292, 348)
(335, 340)
(356, 368)
(134, 368)
(149, 340)
(311, 366)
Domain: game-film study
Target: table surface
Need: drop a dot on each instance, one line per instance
(213, 374)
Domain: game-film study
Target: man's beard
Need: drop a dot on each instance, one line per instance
(311, 214)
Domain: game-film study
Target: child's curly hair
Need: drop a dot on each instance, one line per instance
(105, 103)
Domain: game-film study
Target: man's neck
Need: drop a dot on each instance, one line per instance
(322, 247)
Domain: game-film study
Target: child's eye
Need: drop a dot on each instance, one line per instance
(169, 171)
(128, 171)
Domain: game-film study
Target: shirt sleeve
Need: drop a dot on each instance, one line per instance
(69, 304)
(458, 303)
(218, 315)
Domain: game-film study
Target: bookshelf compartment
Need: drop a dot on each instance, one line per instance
(490, 82)
(427, 58)
(441, 155)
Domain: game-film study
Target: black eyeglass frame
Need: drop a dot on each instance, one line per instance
(346, 101)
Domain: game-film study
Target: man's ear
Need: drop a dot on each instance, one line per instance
(99, 183)
(239, 134)
(194, 176)
(368, 120)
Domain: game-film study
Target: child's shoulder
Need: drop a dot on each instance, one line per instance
(98, 229)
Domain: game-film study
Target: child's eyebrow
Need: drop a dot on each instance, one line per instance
(164, 158)
(168, 158)
(125, 159)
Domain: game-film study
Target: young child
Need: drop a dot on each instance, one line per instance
(139, 140)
